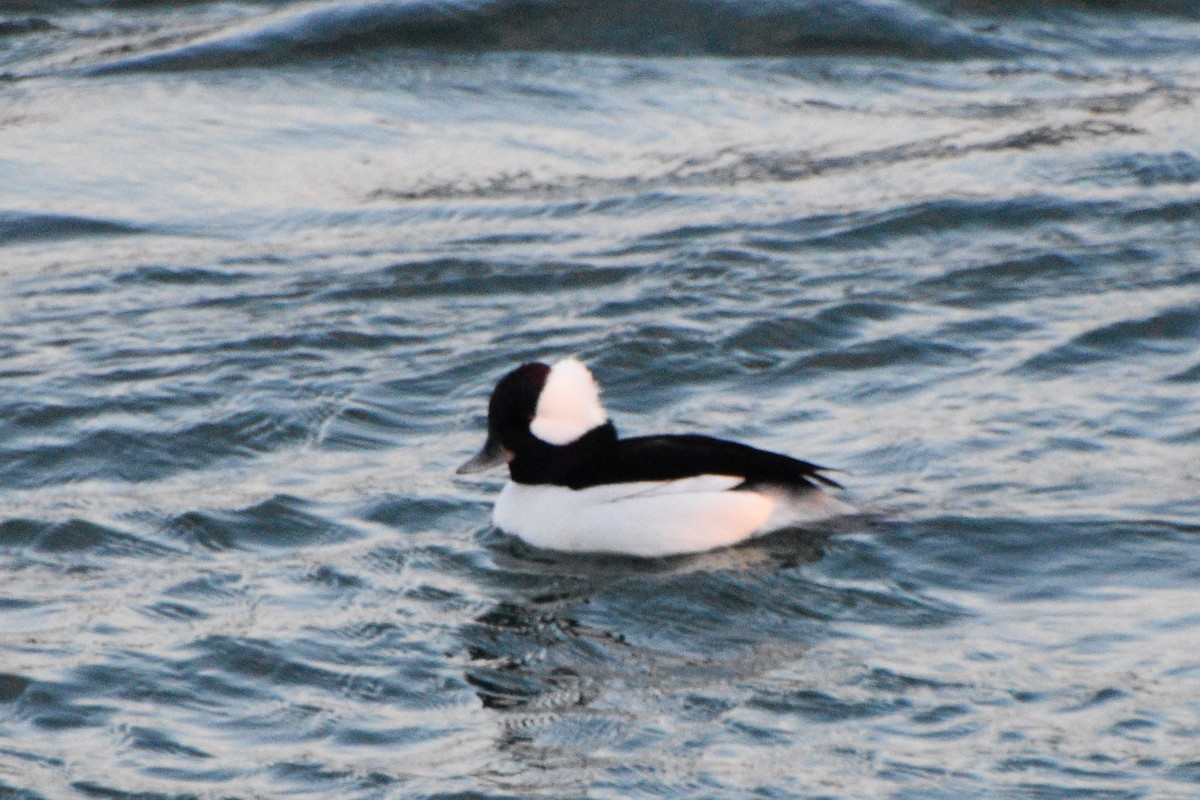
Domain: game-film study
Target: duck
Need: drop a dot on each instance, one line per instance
(575, 485)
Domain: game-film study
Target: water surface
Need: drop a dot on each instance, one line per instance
(261, 263)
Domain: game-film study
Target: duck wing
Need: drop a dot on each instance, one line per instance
(671, 457)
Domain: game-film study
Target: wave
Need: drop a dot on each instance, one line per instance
(17, 26)
(1186, 9)
(21, 226)
(730, 167)
(619, 27)
(21, 535)
(1171, 332)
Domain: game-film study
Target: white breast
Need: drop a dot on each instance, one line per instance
(647, 518)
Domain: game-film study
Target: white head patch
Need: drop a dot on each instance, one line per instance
(569, 405)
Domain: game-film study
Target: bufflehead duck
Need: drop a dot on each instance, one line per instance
(576, 486)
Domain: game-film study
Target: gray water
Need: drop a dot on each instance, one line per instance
(261, 264)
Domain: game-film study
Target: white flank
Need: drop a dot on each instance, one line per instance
(569, 405)
(649, 518)
(656, 518)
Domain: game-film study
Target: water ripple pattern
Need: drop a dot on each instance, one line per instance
(261, 262)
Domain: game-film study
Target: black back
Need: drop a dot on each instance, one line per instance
(599, 457)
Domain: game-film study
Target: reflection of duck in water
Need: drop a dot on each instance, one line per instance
(575, 629)
(576, 486)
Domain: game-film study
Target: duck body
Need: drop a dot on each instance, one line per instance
(576, 486)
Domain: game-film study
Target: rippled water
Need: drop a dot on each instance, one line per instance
(261, 263)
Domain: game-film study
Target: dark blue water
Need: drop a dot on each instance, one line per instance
(261, 263)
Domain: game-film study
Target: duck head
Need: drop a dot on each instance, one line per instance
(537, 405)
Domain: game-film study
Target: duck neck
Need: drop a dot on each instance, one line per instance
(538, 462)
